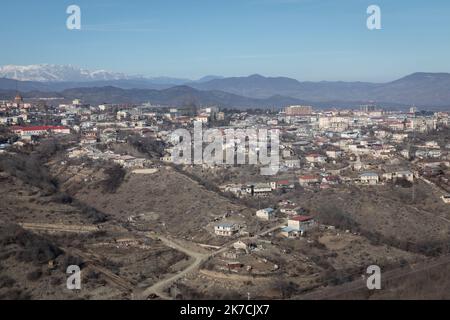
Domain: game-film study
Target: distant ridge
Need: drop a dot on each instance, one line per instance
(177, 96)
(426, 89)
(419, 89)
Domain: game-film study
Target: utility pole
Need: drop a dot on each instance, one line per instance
(409, 155)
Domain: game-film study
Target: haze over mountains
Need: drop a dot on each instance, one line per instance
(420, 89)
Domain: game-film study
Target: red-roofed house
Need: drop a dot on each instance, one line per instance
(39, 130)
(308, 180)
(301, 223)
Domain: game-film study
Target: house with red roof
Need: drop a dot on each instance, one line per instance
(301, 223)
(40, 130)
(297, 226)
(308, 180)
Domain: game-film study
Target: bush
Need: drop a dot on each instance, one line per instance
(55, 281)
(15, 294)
(62, 197)
(34, 275)
(34, 248)
(148, 145)
(6, 282)
(403, 183)
(94, 215)
(70, 260)
(30, 170)
(332, 215)
(115, 176)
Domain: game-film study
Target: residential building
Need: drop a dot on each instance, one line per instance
(315, 158)
(370, 178)
(308, 180)
(301, 223)
(298, 110)
(265, 214)
(446, 198)
(40, 130)
(226, 229)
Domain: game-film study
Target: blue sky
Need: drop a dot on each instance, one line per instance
(304, 39)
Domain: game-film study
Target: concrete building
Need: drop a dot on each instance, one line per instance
(301, 223)
(298, 110)
(370, 178)
(265, 214)
(226, 229)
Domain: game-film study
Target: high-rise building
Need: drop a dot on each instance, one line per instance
(368, 108)
(298, 110)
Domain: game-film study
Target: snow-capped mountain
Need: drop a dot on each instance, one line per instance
(58, 73)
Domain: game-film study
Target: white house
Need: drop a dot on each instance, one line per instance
(334, 154)
(292, 163)
(315, 158)
(446, 198)
(405, 174)
(265, 214)
(262, 188)
(370, 178)
(226, 229)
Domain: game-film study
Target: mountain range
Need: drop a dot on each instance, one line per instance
(57, 76)
(419, 89)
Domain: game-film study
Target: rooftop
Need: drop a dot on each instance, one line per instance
(36, 128)
(301, 218)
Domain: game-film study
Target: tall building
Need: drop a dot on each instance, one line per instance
(298, 110)
(18, 99)
(368, 108)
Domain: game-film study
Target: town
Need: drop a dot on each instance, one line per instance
(353, 187)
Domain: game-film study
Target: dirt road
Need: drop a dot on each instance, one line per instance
(158, 288)
(198, 260)
(47, 227)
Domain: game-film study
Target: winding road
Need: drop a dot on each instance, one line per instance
(158, 288)
(198, 259)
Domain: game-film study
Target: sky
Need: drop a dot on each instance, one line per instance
(309, 40)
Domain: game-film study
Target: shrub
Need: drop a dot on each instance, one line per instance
(33, 248)
(6, 282)
(34, 275)
(115, 176)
